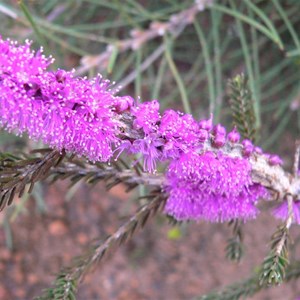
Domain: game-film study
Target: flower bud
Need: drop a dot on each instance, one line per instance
(275, 160)
(203, 135)
(219, 130)
(124, 103)
(233, 136)
(206, 124)
(60, 76)
(248, 148)
(258, 150)
(219, 140)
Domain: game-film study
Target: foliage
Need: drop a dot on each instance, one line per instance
(235, 249)
(17, 173)
(274, 265)
(242, 107)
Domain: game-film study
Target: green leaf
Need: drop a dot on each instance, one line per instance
(242, 107)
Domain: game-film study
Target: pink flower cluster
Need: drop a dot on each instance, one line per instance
(213, 187)
(65, 112)
(84, 117)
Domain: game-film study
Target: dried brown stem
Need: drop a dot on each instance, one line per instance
(174, 26)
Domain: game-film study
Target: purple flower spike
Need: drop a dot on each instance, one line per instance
(233, 136)
(275, 160)
(65, 112)
(213, 187)
(21, 61)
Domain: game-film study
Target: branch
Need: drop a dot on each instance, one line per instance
(274, 265)
(16, 173)
(273, 177)
(296, 160)
(174, 26)
(76, 171)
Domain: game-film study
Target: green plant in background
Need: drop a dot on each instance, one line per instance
(182, 53)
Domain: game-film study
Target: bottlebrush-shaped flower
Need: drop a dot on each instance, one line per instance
(209, 176)
(211, 186)
(74, 114)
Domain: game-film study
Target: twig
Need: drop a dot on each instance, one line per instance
(174, 26)
(14, 176)
(296, 159)
(8, 12)
(68, 169)
(144, 66)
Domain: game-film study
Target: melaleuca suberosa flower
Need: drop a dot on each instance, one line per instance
(209, 174)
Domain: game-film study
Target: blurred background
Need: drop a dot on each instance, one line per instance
(182, 53)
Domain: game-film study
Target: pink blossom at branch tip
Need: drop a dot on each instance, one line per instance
(65, 112)
(281, 211)
(219, 133)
